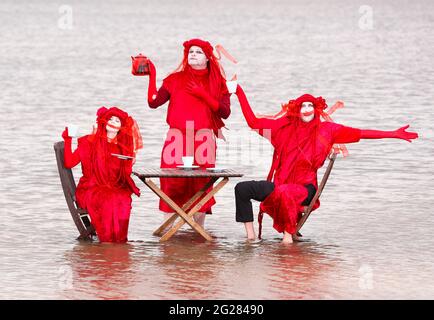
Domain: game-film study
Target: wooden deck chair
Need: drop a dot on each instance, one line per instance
(80, 216)
(308, 209)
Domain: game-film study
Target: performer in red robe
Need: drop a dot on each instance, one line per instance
(198, 101)
(301, 144)
(106, 186)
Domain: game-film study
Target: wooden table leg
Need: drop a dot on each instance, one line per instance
(185, 207)
(193, 210)
(177, 210)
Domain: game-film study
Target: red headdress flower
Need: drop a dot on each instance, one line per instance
(128, 137)
(217, 76)
(293, 107)
(204, 45)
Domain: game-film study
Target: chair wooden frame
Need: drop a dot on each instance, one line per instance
(324, 179)
(79, 215)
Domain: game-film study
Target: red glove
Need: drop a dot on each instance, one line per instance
(152, 70)
(71, 159)
(196, 90)
(200, 92)
(400, 133)
(152, 88)
(65, 134)
(405, 135)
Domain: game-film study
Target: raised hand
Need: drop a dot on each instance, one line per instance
(152, 88)
(401, 133)
(65, 134)
(152, 70)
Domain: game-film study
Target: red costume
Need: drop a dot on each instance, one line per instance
(300, 149)
(198, 100)
(106, 186)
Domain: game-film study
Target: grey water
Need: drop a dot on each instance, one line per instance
(372, 237)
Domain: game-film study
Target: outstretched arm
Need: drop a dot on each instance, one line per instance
(252, 120)
(156, 99)
(70, 159)
(400, 133)
(343, 134)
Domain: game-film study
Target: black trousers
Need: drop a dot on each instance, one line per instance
(258, 190)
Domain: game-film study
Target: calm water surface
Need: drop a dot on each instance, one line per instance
(372, 236)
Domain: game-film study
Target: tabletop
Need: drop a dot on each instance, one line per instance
(181, 173)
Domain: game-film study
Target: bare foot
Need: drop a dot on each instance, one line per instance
(250, 231)
(296, 238)
(251, 238)
(287, 238)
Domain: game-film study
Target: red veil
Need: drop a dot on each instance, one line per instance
(217, 75)
(292, 110)
(128, 140)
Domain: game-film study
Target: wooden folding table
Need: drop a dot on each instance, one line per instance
(194, 204)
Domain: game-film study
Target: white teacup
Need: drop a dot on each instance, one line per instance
(232, 86)
(73, 130)
(187, 161)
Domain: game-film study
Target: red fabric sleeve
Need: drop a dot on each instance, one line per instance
(70, 159)
(168, 82)
(343, 134)
(162, 97)
(224, 106)
(156, 99)
(254, 122)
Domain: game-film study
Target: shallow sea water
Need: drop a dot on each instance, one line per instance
(372, 236)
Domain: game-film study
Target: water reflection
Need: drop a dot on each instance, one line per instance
(299, 270)
(104, 270)
(368, 201)
(190, 266)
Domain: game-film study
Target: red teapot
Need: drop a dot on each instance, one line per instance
(140, 65)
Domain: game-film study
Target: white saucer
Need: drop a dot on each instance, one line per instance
(187, 167)
(216, 169)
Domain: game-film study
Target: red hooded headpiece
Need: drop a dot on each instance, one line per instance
(217, 76)
(204, 45)
(128, 137)
(293, 107)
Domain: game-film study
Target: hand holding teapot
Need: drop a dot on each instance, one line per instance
(140, 65)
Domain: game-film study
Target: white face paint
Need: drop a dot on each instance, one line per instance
(307, 111)
(196, 58)
(116, 122)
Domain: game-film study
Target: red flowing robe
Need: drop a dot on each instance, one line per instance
(193, 130)
(109, 205)
(300, 149)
